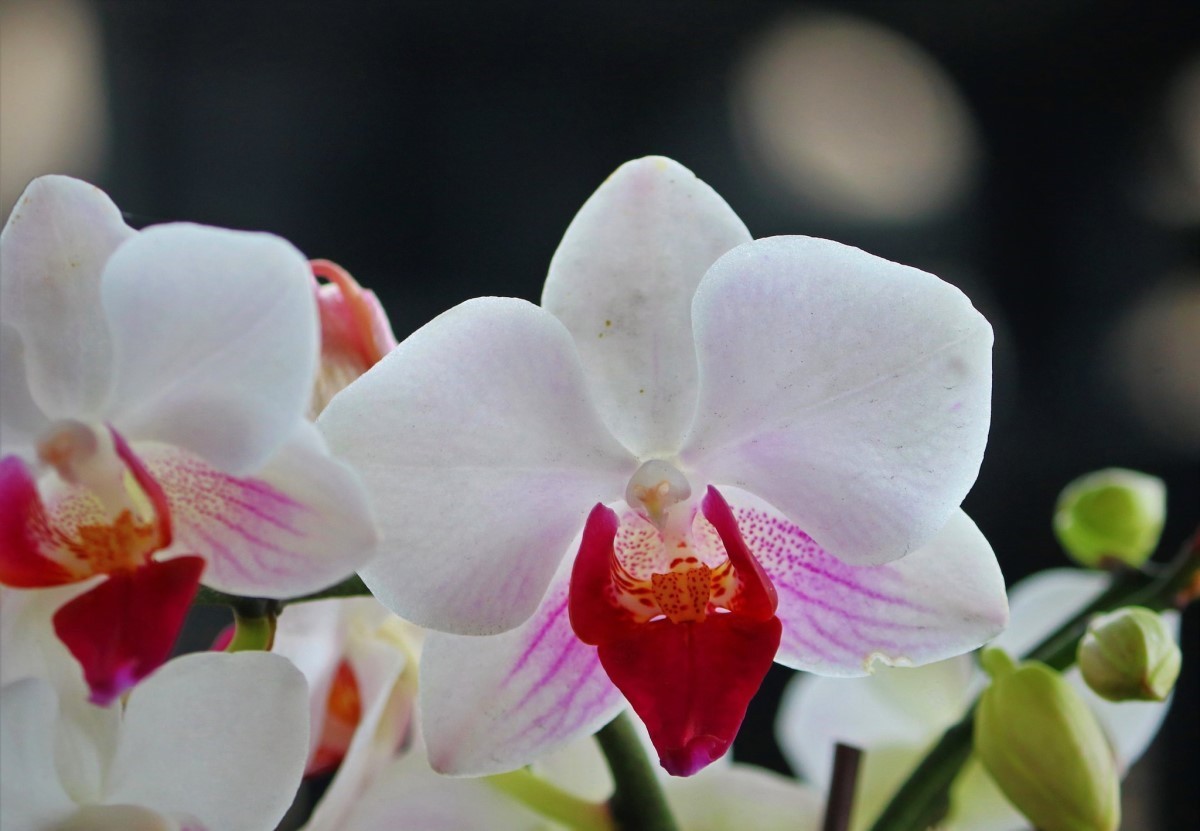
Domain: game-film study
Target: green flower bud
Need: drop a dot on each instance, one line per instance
(1111, 513)
(1044, 749)
(1129, 655)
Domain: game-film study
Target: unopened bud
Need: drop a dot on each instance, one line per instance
(1113, 513)
(1129, 655)
(1044, 749)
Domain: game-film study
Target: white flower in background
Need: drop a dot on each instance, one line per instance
(210, 742)
(898, 714)
(360, 662)
(749, 423)
(155, 386)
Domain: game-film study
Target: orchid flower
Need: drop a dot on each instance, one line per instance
(210, 742)
(736, 437)
(355, 331)
(896, 715)
(155, 385)
(360, 662)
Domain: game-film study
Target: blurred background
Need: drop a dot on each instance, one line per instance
(1043, 156)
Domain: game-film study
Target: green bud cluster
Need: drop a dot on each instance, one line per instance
(1129, 655)
(1113, 513)
(1043, 747)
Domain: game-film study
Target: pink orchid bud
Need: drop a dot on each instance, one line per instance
(355, 332)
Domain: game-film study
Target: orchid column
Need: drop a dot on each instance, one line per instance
(701, 454)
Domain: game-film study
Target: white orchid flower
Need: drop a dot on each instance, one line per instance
(360, 661)
(757, 430)
(210, 742)
(898, 714)
(155, 386)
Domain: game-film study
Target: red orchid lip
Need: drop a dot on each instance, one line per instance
(689, 676)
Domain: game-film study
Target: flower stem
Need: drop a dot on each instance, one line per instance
(352, 586)
(638, 803)
(252, 632)
(839, 807)
(552, 802)
(923, 798)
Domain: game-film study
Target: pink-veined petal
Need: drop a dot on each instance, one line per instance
(124, 628)
(478, 441)
(21, 420)
(31, 795)
(1044, 601)
(851, 393)
(298, 525)
(214, 340)
(490, 705)
(216, 736)
(943, 599)
(622, 281)
(52, 254)
(409, 796)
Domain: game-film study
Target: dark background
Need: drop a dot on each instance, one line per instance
(439, 149)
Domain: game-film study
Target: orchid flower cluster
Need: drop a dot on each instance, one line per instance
(589, 528)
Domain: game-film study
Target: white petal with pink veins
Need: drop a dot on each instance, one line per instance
(52, 254)
(299, 525)
(214, 339)
(215, 736)
(491, 705)
(478, 440)
(944, 599)
(622, 281)
(851, 393)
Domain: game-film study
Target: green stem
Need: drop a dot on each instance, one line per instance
(252, 633)
(923, 798)
(552, 802)
(352, 586)
(638, 803)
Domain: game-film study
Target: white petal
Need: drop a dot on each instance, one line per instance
(52, 254)
(378, 659)
(622, 281)
(897, 707)
(31, 796)
(411, 797)
(21, 420)
(220, 737)
(943, 599)
(483, 452)
(851, 393)
(312, 636)
(743, 796)
(214, 341)
(492, 704)
(301, 523)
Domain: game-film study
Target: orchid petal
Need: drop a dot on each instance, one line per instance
(622, 281)
(387, 703)
(850, 392)
(21, 420)
(124, 628)
(477, 436)
(743, 796)
(214, 339)
(31, 795)
(313, 637)
(1043, 602)
(123, 818)
(491, 705)
(301, 523)
(897, 708)
(842, 620)
(408, 796)
(219, 737)
(52, 254)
